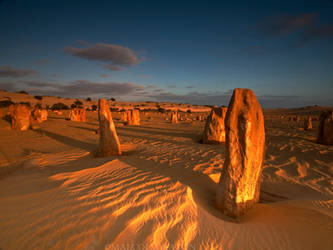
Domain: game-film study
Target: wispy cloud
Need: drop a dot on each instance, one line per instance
(255, 50)
(137, 92)
(113, 67)
(116, 57)
(81, 88)
(321, 32)
(285, 24)
(307, 27)
(42, 61)
(9, 86)
(158, 90)
(192, 97)
(103, 75)
(7, 71)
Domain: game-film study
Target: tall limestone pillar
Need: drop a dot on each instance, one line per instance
(108, 139)
(239, 185)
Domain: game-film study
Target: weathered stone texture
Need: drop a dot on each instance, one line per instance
(39, 115)
(20, 116)
(78, 115)
(308, 123)
(325, 133)
(239, 185)
(174, 117)
(108, 138)
(214, 132)
(133, 117)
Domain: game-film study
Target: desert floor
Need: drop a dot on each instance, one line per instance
(55, 194)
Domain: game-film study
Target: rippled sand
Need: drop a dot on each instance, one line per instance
(55, 194)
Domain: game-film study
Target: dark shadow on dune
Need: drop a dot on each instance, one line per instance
(269, 197)
(153, 131)
(286, 139)
(7, 118)
(92, 123)
(83, 128)
(57, 118)
(203, 187)
(68, 141)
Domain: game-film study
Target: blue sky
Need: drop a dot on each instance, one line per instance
(181, 51)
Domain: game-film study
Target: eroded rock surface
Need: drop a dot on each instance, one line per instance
(214, 132)
(108, 138)
(39, 115)
(20, 116)
(239, 185)
(133, 117)
(308, 123)
(325, 133)
(174, 117)
(78, 115)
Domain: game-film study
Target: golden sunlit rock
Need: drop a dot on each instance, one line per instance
(325, 134)
(214, 132)
(108, 139)
(133, 117)
(20, 116)
(239, 184)
(174, 117)
(39, 115)
(78, 115)
(124, 116)
(297, 118)
(308, 123)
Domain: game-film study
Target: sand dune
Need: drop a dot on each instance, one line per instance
(160, 193)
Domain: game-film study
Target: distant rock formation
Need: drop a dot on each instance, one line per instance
(308, 123)
(124, 116)
(133, 117)
(39, 115)
(108, 139)
(78, 115)
(214, 132)
(297, 118)
(239, 185)
(325, 134)
(174, 117)
(20, 116)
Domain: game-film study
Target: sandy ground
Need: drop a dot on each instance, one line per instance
(55, 194)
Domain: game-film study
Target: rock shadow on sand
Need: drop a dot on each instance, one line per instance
(203, 187)
(68, 140)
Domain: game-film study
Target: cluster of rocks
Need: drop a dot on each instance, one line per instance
(39, 114)
(174, 117)
(20, 116)
(240, 126)
(214, 132)
(132, 117)
(78, 115)
(23, 117)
